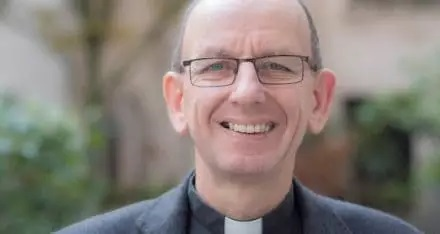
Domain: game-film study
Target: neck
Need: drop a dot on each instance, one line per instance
(243, 197)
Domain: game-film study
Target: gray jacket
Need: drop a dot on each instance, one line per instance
(169, 214)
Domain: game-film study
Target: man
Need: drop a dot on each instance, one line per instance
(247, 84)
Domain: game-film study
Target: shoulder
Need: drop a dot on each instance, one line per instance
(130, 219)
(122, 220)
(360, 219)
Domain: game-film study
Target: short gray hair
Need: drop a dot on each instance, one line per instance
(315, 61)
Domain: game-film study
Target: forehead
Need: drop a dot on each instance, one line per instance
(246, 28)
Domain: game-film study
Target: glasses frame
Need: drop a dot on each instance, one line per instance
(304, 59)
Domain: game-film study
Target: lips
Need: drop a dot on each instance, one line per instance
(259, 128)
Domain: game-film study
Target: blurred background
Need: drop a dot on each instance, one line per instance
(84, 129)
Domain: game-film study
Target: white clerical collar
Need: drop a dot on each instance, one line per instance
(283, 219)
(243, 227)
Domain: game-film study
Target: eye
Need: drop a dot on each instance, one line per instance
(216, 67)
(211, 66)
(277, 67)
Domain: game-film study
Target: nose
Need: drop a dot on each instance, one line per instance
(247, 87)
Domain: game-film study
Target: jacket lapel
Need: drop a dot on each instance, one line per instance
(168, 213)
(317, 215)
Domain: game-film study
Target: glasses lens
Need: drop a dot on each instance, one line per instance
(213, 72)
(280, 69)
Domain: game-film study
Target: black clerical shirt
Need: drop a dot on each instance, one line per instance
(285, 219)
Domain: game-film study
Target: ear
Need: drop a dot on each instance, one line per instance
(172, 88)
(323, 95)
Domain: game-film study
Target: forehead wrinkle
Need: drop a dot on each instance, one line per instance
(264, 47)
(260, 48)
(213, 51)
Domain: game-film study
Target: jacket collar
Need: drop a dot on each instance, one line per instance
(169, 212)
(317, 216)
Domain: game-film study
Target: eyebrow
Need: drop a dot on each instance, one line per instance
(278, 51)
(223, 53)
(214, 52)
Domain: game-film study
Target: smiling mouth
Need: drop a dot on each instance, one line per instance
(249, 128)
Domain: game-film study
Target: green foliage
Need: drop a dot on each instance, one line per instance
(432, 174)
(379, 161)
(44, 172)
(416, 109)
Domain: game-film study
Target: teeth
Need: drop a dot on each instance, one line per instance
(250, 128)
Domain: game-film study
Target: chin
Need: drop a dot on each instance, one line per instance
(250, 165)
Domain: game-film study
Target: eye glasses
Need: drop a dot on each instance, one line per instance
(271, 70)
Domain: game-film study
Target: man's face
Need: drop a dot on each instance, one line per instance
(245, 29)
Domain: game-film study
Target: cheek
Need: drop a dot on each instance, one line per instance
(191, 107)
(199, 105)
(292, 102)
(297, 106)
(304, 101)
(305, 107)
